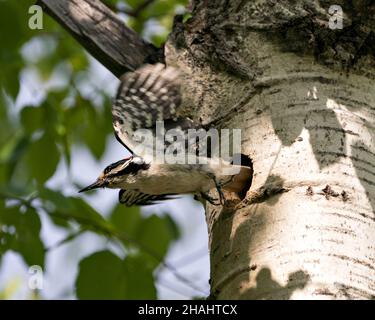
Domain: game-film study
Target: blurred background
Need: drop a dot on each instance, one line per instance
(56, 137)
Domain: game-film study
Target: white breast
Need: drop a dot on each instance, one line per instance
(170, 179)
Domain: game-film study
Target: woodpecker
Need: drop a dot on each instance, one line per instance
(145, 97)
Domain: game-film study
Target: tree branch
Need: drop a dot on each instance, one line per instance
(102, 34)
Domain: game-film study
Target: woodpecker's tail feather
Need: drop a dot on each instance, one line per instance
(241, 182)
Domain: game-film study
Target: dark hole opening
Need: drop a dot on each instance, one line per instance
(247, 162)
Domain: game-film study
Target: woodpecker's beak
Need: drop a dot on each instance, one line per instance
(97, 184)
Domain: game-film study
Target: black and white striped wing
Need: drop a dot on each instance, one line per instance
(131, 198)
(148, 95)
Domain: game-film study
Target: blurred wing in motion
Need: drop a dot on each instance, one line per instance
(145, 96)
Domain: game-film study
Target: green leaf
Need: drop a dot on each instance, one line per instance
(10, 79)
(24, 238)
(159, 9)
(94, 134)
(54, 200)
(86, 214)
(11, 152)
(140, 279)
(73, 209)
(42, 158)
(104, 275)
(55, 203)
(78, 61)
(14, 31)
(132, 3)
(101, 276)
(7, 149)
(126, 220)
(32, 119)
(155, 233)
(172, 227)
(88, 125)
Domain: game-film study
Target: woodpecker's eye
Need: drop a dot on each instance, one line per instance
(114, 165)
(108, 169)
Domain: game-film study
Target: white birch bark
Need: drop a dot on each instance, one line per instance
(304, 97)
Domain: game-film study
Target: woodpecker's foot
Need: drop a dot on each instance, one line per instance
(220, 191)
(208, 198)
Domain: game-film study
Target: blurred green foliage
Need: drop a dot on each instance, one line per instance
(158, 14)
(35, 139)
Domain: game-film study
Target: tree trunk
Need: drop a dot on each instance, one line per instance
(304, 97)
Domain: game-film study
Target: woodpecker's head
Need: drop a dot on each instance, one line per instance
(117, 173)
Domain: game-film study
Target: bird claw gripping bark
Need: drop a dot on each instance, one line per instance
(220, 191)
(205, 196)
